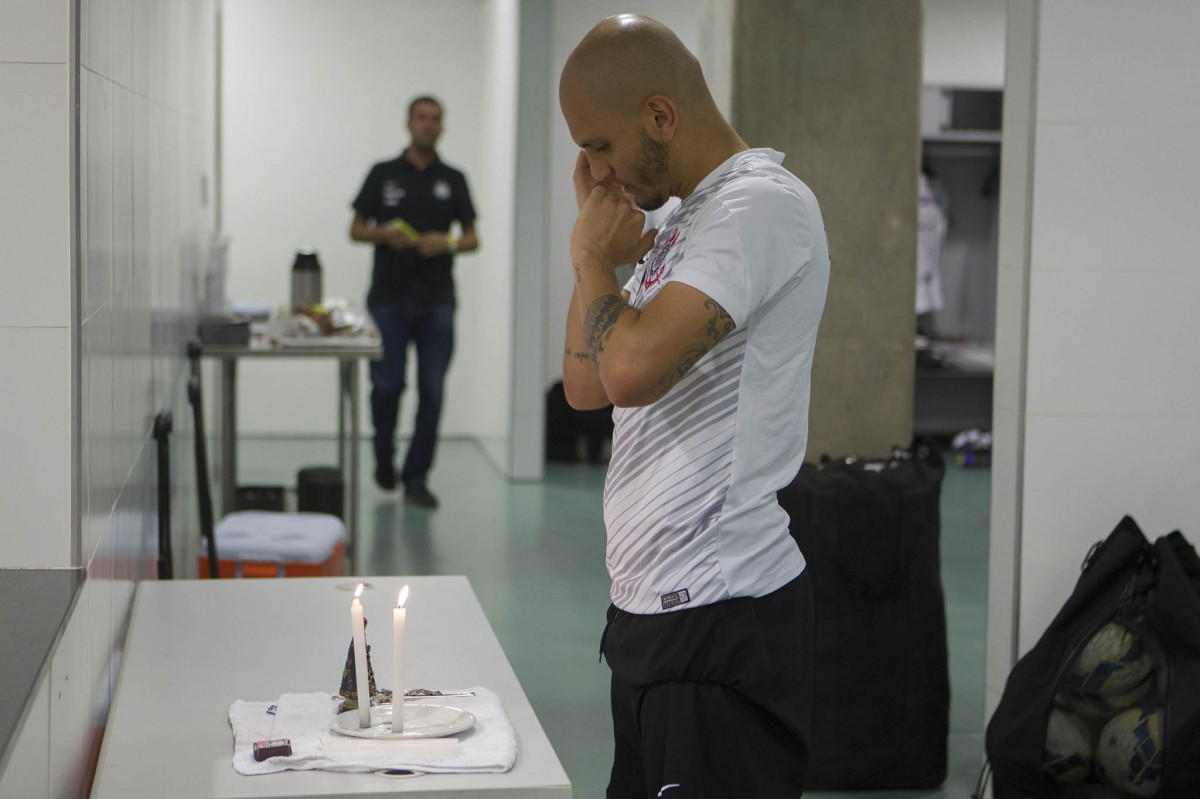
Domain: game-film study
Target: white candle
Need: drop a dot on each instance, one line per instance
(399, 620)
(360, 660)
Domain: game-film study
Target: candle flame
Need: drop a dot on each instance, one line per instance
(358, 591)
(400, 600)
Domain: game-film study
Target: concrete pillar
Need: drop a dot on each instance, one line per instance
(836, 86)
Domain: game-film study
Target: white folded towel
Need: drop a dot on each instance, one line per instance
(307, 719)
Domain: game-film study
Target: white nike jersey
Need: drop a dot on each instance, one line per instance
(689, 500)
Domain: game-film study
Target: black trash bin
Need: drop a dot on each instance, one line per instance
(320, 489)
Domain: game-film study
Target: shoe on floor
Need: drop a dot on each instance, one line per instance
(385, 478)
(420, 496)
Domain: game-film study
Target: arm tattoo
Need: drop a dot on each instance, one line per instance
(719, 325)
(579, 356)
(598, 323)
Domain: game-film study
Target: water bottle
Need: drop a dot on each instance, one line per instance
(306, 280)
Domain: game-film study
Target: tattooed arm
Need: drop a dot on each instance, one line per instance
(636, 354)
(640, 355)
(581, 381)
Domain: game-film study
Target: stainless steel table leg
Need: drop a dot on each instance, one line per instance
(228, 435)
(352, 377)
(343, 391)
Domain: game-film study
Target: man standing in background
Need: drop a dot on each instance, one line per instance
(707, 354)
(406, 208)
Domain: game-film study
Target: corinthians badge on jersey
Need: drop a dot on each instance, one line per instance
(658, 258)
(393, 192)
(441, 190)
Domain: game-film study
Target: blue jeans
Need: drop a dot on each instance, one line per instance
(431, 329)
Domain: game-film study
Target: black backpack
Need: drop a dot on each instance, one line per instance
(1142, 602)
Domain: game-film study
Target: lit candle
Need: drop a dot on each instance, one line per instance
(399, 619)
(360, 660)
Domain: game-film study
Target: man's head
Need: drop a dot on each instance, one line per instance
(636, 102)
(425, 122)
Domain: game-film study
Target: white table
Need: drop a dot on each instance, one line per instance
(348, 352)
(196, 646)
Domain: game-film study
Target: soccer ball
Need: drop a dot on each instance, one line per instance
(1112, 671)
(1129, 751)
(1068, 753)
(1100, 707)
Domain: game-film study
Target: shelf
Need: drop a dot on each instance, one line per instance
(983, 144)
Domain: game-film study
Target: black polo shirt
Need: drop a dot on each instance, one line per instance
(428, 199)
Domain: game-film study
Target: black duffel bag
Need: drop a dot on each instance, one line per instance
(1106, 705)
(870, 531)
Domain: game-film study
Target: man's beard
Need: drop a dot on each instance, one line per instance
(649, 169)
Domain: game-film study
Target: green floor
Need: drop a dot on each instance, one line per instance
(534, 553)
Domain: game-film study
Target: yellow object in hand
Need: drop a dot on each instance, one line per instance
(405, 228)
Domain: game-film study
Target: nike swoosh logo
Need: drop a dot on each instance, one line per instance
(666, 788)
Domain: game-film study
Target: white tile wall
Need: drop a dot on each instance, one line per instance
(121, 20)
(1111, 375)
(1120, 343)
(35, 488)
(146, 132)
(96, 191)
(34, 220)
(139, 50)
(1116, 198)
(129, 434)
(1118, 62)
(122, 191)
(100, 478)
(96, 36)
(35, 31)
(964, 43)
(1082, 474)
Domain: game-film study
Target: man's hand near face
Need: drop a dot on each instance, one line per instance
(609, 229)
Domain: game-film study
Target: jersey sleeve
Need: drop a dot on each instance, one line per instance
(747, 246)
(715, 264)
(465, 210)
(366, 204)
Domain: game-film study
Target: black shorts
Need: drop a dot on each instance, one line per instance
(714, 701)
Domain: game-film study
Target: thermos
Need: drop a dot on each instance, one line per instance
(306, 280)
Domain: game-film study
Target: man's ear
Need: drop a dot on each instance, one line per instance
(662, 116)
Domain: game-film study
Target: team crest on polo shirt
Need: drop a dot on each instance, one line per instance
(658, 261)
(441, 190)
(393, 192)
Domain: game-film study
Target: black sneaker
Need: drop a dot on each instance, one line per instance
(419, 495)
(385, 477)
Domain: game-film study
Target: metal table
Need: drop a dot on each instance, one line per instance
(196, 646)
(348, 352)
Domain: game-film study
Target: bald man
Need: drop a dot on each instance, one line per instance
(707, 355)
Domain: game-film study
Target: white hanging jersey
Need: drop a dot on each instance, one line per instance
(689, 500)
(931, 232)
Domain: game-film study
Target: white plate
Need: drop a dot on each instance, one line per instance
(420, 721)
